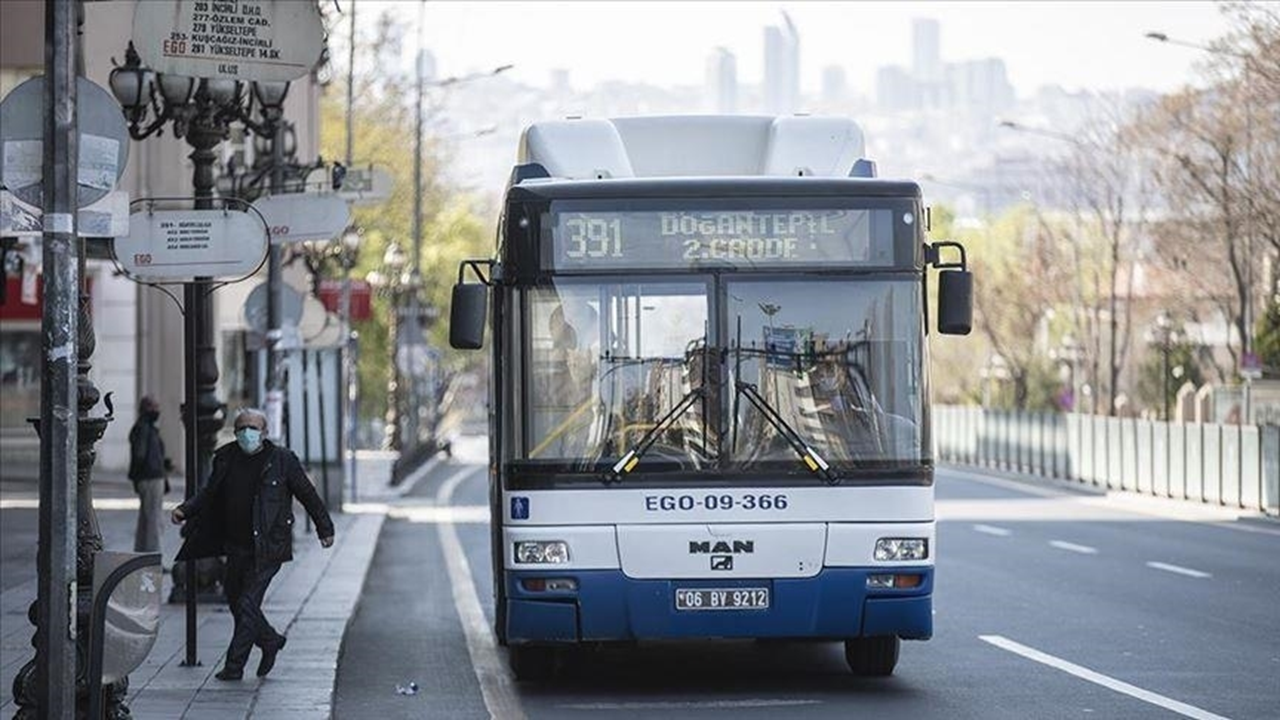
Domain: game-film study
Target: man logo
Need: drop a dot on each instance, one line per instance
(737, 547)
(721, 562)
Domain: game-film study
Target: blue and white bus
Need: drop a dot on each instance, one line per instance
(709, 411)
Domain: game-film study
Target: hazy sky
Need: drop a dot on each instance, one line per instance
(1092, 45)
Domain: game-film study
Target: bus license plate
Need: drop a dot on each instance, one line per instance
(747, 598)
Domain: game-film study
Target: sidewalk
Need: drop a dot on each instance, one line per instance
(311, 601)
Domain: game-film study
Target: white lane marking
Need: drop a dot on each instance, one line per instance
(98, 504)
(478, 514)
(497, 686)
(992, 530)
(1097, 678)
(1072, 547)
(1179, 570)
(691, 705)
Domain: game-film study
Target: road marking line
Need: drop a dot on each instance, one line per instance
(1097, 678)
(992, 530)
(98, 504)
(690, 705)
(1179, 570)
(1072, 547)
(497, 686)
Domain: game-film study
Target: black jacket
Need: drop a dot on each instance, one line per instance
(283, 479)
(146, 451)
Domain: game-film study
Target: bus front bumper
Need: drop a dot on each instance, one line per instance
(605, 605)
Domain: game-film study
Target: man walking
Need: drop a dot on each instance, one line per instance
(245, 512)
(147, 468)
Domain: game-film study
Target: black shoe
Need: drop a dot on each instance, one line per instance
(268, 660)
(227, 674)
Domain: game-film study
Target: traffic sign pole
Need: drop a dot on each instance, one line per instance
(56, 571)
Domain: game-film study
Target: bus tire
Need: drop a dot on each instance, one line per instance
(532, 663)
(872, 656)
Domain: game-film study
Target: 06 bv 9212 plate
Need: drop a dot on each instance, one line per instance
(740, 598)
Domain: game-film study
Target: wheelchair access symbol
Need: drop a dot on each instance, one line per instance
(519, 508)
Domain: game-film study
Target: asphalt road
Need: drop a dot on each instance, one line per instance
(1050, 603)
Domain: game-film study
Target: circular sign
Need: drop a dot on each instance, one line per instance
(103, 142)
(255, 307)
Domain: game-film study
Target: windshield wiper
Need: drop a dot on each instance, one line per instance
(632, 457)
(811, 458)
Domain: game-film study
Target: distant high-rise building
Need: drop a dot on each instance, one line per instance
(926, 58)
(781, 68)
(722, 82)
(981, 85)
(835, 85)
(560, 81)
(895, 89)
(427, 62)
(926, 62)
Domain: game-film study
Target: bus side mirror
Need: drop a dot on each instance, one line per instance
(467, 313)
(955, 302)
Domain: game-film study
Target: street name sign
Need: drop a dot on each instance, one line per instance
(179, 245)
(303, 217)
(259, 40)
(106, 218)
(360, 185)
(103, 143)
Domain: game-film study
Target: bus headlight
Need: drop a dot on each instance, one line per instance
(552, 552)
(899, 549)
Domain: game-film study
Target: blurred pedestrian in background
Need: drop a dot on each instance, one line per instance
(148, 468)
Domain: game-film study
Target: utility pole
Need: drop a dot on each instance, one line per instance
(344, 308)
(413, 312)
(56, 554)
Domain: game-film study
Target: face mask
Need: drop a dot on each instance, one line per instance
(151, 415)
(250, 439)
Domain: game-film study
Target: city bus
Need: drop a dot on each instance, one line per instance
(709, 397)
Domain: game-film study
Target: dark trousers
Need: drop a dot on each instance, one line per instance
(245, 582)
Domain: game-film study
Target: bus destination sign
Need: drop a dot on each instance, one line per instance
(689, 239)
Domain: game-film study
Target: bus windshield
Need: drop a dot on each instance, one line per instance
(606, 362)
(835, 362)
(718, 379)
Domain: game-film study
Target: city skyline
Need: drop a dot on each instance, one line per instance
(1093, 46)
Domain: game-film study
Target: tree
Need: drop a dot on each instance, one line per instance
(383, 120)
(1268, 338)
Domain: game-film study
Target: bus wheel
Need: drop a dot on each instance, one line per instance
(532, 662)
(872, 656)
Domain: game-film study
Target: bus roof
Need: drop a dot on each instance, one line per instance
(713, 187)
(696, 146)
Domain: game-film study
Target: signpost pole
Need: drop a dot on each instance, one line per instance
(275, 390)
(204, 412)
(55, 672)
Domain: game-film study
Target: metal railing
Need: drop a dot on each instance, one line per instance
(1226, 465)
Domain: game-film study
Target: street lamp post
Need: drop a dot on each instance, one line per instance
(392, 280)
(202, 112)
(1164, 337)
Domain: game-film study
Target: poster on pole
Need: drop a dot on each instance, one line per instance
(103, 146)
(262, 40)
(106, 218)
(303, 217)
(179, 245)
